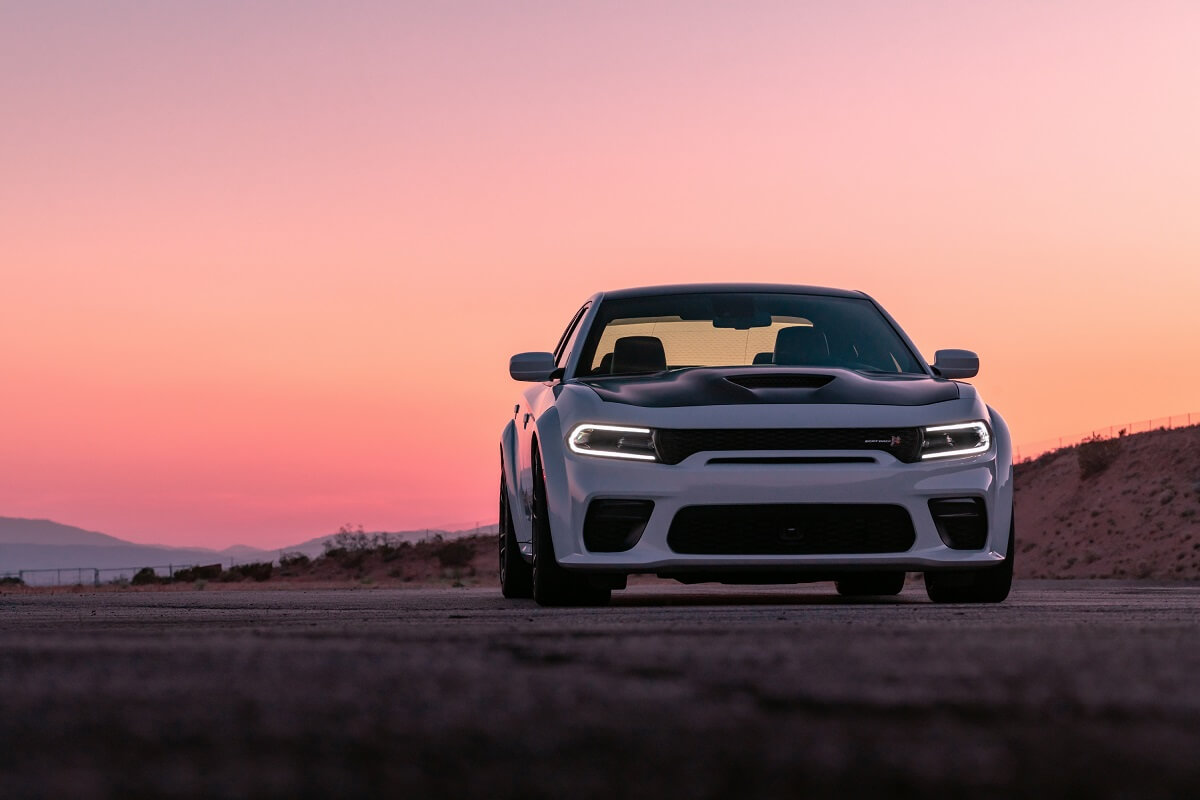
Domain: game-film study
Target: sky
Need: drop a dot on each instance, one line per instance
(262, 264)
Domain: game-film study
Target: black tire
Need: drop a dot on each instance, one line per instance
(987, 585)
(516, 576)
(553, 585)
(871, 584)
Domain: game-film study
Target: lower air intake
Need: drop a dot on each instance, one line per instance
(960, 521)
(791, 529)
(614, 526)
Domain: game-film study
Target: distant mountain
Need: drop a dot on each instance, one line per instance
(111, 559)
(242, 553)
(17, 530)
(40, 544)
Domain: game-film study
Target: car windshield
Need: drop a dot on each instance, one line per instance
(642, 335)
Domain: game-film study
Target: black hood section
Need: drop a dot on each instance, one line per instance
(709, 386)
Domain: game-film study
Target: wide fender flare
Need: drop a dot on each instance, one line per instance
(552, 444)
(1005, 490)
(510, 465)
(508, 460)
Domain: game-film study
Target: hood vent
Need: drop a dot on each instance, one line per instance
(784, 381)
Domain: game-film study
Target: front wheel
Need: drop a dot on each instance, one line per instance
(553, 585)
(987, 585)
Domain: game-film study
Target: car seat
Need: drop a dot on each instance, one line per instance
(633, 355)
(801, 345)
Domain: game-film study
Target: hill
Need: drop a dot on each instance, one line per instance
(1127, 507)
(18, 530)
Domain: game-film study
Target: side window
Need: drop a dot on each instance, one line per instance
(568, 338)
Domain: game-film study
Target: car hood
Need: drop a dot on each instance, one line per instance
(708, 386)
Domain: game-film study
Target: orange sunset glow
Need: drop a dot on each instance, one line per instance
(264, 263)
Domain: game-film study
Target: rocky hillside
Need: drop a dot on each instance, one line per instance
(1120, 508)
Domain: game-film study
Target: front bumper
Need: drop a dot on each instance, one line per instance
(696, 482)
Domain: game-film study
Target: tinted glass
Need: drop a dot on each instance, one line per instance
(567, 340)
(647, 334)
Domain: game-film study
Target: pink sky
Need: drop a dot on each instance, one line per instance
(263, 264)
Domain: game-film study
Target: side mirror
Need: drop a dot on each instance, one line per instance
(531, 366)
(956, 364)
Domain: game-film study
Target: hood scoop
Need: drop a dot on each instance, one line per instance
(785, 381)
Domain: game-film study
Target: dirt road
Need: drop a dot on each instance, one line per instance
(1069, 688)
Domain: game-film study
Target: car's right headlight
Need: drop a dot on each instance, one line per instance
(613, 441)
(960, 439)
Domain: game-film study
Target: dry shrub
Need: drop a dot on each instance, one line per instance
(259, 571)
(348, 539)
(208, 572)
(294, 564)
(294, 560)
(455, 554)
(1097, 454)
(144, 577)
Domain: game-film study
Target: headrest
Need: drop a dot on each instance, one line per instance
(801, 345)
(638, 354)
(764, 358)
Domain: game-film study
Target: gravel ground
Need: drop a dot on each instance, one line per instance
(1069, 689)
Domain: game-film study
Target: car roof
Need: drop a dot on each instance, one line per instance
(726, 288)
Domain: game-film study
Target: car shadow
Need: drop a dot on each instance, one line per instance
(633, 598)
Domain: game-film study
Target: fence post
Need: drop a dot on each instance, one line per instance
(96, 576)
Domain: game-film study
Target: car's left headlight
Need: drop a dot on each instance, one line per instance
(961, 439)
(613, 441)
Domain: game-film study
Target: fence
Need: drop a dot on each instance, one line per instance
(53, 576)
(80, 576)
(1030, 451)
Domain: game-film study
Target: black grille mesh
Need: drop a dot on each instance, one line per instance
(798, 529)
(674, 445)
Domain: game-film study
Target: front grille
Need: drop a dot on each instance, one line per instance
(674, 445)
(791, 529)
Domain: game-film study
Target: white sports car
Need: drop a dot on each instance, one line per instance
(751, 433)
